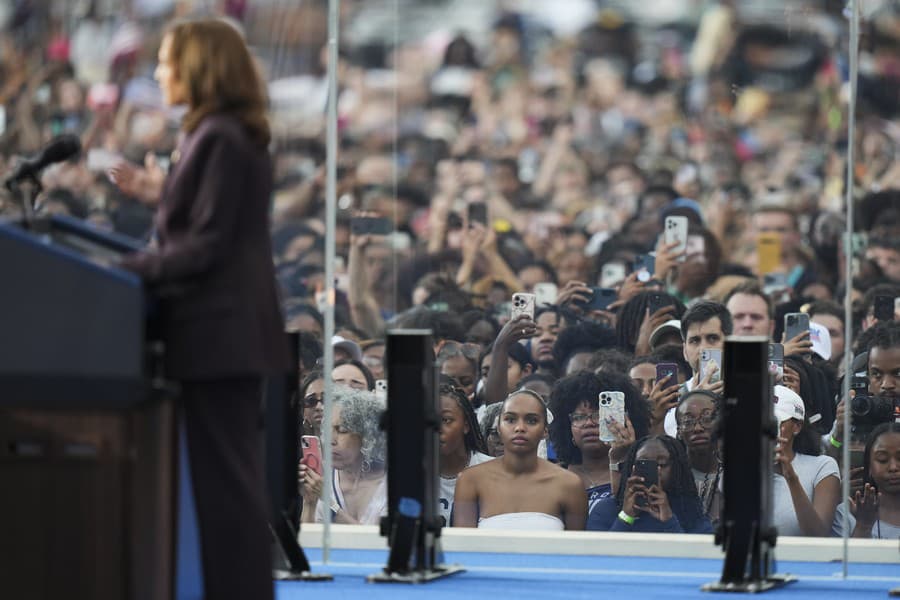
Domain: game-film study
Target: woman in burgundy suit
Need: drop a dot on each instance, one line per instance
(219, 313)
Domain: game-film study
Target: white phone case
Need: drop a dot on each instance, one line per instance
(522, 303)
(676, 230)
(612, 404)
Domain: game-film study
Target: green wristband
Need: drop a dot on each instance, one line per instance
(625, 517)
(834, 442)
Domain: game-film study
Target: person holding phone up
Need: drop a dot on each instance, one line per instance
(656, 495)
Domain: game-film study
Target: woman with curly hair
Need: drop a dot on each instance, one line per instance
(575, 430)
(669, 506)
(462, 444)
(358, 449)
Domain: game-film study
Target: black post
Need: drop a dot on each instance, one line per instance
(413, 524)
(748, 433)
(282, 457)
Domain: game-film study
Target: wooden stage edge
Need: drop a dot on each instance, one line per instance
(364, 537)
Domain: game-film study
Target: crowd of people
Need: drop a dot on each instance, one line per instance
(524, 160)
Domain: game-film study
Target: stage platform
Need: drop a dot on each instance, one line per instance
(584, 564)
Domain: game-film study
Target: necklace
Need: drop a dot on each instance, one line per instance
(585, 474)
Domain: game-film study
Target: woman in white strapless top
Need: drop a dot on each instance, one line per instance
(520, 490)
(523, 521)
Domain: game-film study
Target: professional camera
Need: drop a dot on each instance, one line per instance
(872, 410)
(867, 411)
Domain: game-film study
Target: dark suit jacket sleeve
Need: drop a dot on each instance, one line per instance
(213, 216)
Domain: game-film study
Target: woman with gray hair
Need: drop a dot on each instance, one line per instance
(358, 448)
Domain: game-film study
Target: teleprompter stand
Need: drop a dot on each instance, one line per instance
(413, 524)
(289, 562)
(748, 431)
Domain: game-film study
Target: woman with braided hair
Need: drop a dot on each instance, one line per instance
(669, 506)
(462, 444)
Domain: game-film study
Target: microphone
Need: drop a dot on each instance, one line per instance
(60, 148)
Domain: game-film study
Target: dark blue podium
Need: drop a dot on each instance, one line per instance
(87, 430)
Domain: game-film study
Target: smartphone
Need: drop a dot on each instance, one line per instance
(371, 225)
(883, 308)
(776, 360)
(381, 389)
(657, 300)
(649, 470)
(795, 324)
(612, 404)
(545, 293)
(522, 304)
(708, 358)
(601, 298)
(768, 252)
(612, 274)
(676, 232)
(312, 455)
(645, 267)
(667, 369)
(100, 160)
(477, 213)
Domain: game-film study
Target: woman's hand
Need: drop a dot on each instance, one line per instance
(520, 328)
(657, 504)
(799, 345)
(634, 489)
(624, 438)
(706, 383)
(576, 293)
(310, 484)
(864, 506)
(630, 288)
(666, 259)
(648, 325)
(782, 463)
(663, 397)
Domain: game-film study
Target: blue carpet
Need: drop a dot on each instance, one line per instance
(526, 576)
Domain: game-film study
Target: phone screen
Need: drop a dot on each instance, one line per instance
(477, 213)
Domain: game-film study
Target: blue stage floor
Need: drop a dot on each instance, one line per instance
(524, 576)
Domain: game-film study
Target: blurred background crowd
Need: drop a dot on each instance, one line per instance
(503, 146)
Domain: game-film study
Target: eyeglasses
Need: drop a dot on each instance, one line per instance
(580, 419)
(706, 420)
(311, 400)
(451, 348)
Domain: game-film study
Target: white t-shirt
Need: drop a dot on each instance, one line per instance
(448, 487)
(810, 470)
(670, 424)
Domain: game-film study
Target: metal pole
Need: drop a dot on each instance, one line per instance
(331, 147)
(853, 52)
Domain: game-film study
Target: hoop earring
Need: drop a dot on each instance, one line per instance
(366, 465)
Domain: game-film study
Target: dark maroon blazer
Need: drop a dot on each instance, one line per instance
(219, 312)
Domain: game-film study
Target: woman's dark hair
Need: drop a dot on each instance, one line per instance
(312, 376)
(879, 430)
(817, 393)
(474, 440)
(219, 75)
(582, 337)
(370, 379)
(570, 392)
(451, 349)
(473, 317)
(631, 315)
(682, 491)
(309, 349)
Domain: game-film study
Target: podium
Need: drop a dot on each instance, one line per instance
(87, 428)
